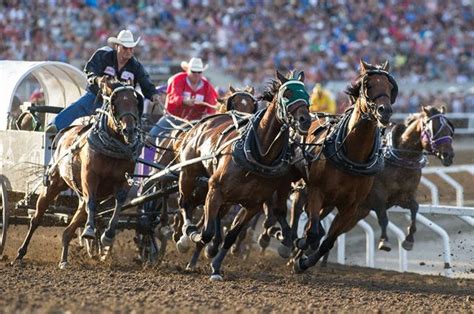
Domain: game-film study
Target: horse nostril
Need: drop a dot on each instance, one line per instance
(382, 109)
(304, 120)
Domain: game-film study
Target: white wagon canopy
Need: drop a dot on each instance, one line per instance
(23, 153)
(61, 83)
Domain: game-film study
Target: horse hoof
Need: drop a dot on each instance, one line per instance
(106, 241)
(17, 262)
(384, 246)
(284, 251)
(216, 277)
(183, 244)
(166, 232)
(62, 265)
(407, 245)
(235, 250)
(297, 267)
(89, 233)
(190, 267)
(263, 241)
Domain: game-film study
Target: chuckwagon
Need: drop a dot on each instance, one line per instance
(26, 153)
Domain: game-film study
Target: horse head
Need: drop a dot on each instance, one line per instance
(122, 109)
(292, 101)
(437, 134)
(240, 100)
(375, 90)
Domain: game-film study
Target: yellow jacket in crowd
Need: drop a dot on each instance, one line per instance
(322, 101)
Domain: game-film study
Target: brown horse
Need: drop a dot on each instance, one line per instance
(406, 145)
(241, 100)
(92, 160)
(428, 131)
(170, 130)
(242, 169)
(346, 158)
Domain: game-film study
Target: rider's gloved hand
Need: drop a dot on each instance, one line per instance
(155, 98)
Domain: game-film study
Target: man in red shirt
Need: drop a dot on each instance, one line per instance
(190, 95)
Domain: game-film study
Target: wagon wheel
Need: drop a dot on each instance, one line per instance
(4, 213)
(148, 249)
(94, 247)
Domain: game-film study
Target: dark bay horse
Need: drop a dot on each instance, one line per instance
(242, 169)
(346, 157)
(426, 132)
(169, 131)
(92, 160)
(241, 100)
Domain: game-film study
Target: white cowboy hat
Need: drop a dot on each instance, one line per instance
(124, 38)
(195, 65)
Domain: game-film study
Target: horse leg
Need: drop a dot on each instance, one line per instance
(245, 238)
(407, 244)
(91, 206)
(230, 238)
(186, 188)
(268, 222)
(107, 237)
(297, 205)
(177, 226)
(382, 219)
(213, 247)
(312, 232)
(344, 221)
(212, 207)
(48, 194)
(78, 219)
(280, 211)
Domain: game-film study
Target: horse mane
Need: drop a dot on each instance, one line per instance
(397, 132)
(272, 88)
(412, 118)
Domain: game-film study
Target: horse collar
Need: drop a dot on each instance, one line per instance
(392, 157)
(244, 152)
(334, 151)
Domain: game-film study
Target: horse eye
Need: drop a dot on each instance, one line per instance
(288, 93)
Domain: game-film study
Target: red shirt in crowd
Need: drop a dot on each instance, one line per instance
(179, 89)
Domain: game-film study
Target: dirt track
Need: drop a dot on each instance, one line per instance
(260, 284)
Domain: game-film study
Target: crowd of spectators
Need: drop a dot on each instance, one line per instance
(423, 39)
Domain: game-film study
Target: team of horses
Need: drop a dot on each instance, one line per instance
(250, 156)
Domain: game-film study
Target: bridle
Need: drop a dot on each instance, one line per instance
(245, 94)
(434, 139)
(109, 107)
(370, 101)
(284, 104)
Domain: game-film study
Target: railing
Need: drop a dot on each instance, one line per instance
(466, 214)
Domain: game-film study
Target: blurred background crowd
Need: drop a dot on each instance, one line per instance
(424, 40)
